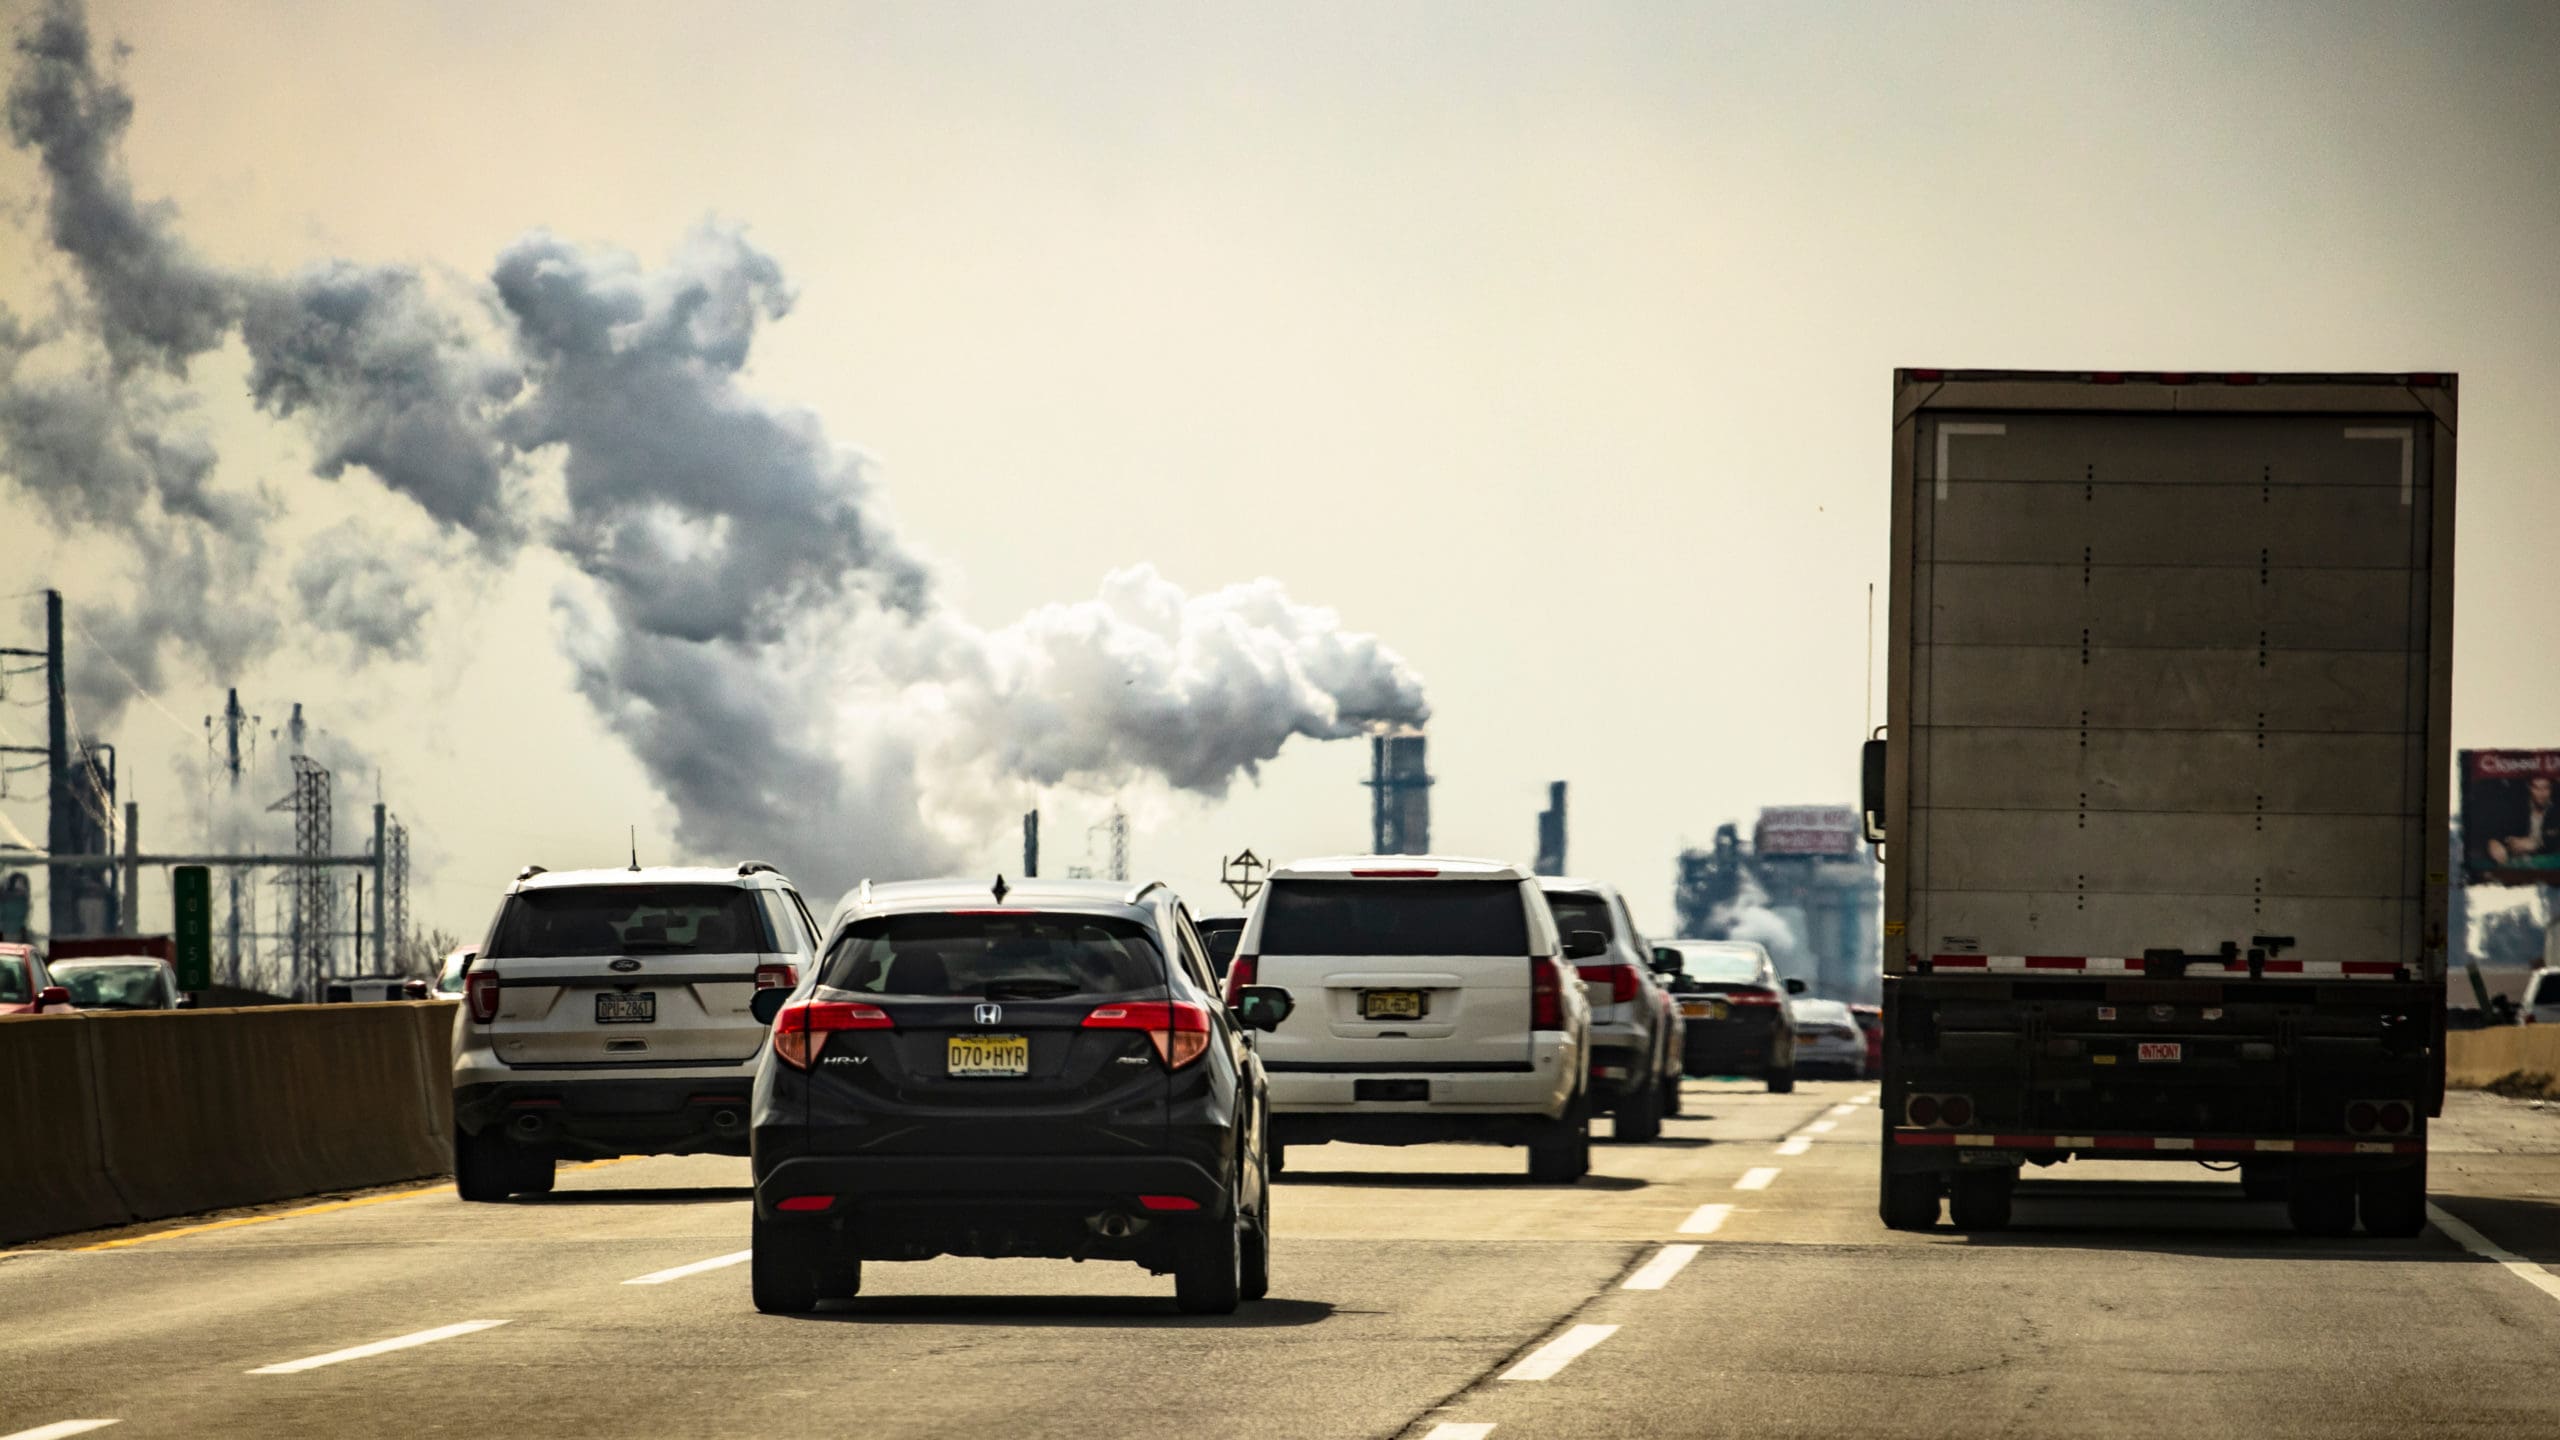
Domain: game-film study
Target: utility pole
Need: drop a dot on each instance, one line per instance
(59, 835)
(232, 719)
(130, 911)
(381, 890)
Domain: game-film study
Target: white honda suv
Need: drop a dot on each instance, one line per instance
(1434, 1002)
(610, 1013)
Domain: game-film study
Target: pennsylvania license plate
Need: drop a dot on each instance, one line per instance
(984, 1056)
(1390, 1004)
(619, 1009)
(2152, 1052)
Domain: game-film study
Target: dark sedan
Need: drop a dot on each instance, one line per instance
(1736, 1008)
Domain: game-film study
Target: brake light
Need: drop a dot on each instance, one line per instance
(1241, 971)
(801, 1030)
(805, 1204)
(1546, 993)
(1167, 1202)
(1179, 1028)
(777, 977)
(2360, 1116)
(1623, 982)
(2394, 1116)
(480, 992)
(1956, 1110)
(1395, 874)
(1923, 1109)
(1751, 997)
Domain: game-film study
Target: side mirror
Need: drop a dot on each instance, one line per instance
(1263, 1007)
(413, 989)
(184, 1002)
(1871, 790)
(1667, 962)
(1795, 987)
(768, 1003)
(1585, 945)
(52, 997)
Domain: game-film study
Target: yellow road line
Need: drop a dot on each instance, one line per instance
(239, 1220)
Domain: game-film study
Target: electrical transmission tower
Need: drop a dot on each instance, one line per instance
(393, 944)
(312, 926)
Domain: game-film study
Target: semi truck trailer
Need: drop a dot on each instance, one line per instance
(2162, 785)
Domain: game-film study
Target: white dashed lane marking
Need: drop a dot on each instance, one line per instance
(1756, 1178)
(59, 1429)
(1796, 1146)
(1822, 1127)
(378, 1347)
(1448, 1431)
(1666, 1262)
(1706, 1220)
(1545, 1361)
(1844, 1109)
(2488, 1249)
(716, 1262)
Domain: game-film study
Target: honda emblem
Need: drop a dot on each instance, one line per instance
(990, 1014)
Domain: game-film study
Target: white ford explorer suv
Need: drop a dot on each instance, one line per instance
(610, 1013)
(1435, 1002)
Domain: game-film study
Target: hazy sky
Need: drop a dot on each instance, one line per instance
(1550, 343)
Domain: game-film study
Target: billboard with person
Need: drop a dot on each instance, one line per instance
(2510, 817)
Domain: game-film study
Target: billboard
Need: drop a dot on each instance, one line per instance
(2510, 817)
(1806, 830)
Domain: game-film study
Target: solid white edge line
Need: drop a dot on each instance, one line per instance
(378, 1347)
(1706, 1220)
(1795, 1145)
(1454, 1430)
(1545, 1361)
(60, 1428)
(2488, 1249)
(1756, 1178)
(716, 1262)
(1666, 1262)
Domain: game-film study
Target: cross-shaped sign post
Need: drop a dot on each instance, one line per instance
(1243, 875)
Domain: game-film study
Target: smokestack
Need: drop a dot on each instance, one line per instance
(1551, 832)
(1400, 794)
(1031, 845)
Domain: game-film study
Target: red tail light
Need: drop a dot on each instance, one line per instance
(1956, 1110)
(801, 1030)
(2360, 1116)
(1546, 993)
(1179, 1028)
(1922, 1109)
(777, 977)
(480, 992)
(1751, 997)
(805, 1204)
(1622, 980)
(1241, 971)
(2394, 1116)
(1167, 1202)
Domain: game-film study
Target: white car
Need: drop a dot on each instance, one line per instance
(120, 982)
(1635, 1029)
(610, 1013)
(1828, 1038)
(1435, 1001)
(2541, 998)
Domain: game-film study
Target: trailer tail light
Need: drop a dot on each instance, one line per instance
(2383, 1117)
(1179, 1029)
(1241, 971)
(801, 1030)
(1951, 1111)
(1623, 982)
(1546, 993)
(1956, 1110)
(1921, 1109)
(2394, 1117)
(480, 992)
(777, 977)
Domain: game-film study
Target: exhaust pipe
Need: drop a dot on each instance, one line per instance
(1114, 1225)
(724, 1120)
(532, 1123)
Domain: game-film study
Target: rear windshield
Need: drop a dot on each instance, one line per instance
(1394, 917)
(630, 920)
(2547, 992)
(110, 984)
(1222, 942)
(1021, 957)
(13, 980)
(1714, 968)
(1581, 912)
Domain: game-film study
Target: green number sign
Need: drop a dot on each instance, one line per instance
(191, 892)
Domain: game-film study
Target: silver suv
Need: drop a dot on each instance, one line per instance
(610, 1012)
(1635, 1027)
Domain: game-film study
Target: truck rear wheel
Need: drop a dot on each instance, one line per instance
(1979, 1199)
(2322, 1205)
(1908, 1200)
(2394, 1202)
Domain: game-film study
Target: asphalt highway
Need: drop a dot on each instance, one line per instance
(1729, 1280)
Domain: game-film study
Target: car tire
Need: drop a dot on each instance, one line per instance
(1563, 1154)
(1278, 1155)
(1908, 1200)
(1783, 1082)
(536, 1173)
(2393, 1202)
(1255, 1281)
(782, 1269)
(1638, 1116)
(1671, 1098)
(1208, 1267)
(1979, 1199)
(2323, 1206)
(484, 1166)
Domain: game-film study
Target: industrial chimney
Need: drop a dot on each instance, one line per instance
(1399, 794)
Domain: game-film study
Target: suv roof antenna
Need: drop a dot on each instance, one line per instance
(635, 849)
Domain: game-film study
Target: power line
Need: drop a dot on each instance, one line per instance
(109, 656)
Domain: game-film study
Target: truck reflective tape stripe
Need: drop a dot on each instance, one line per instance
(2128, 965)
(2166, 1144)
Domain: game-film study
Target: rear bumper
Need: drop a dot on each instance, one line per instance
(1730, 1047)
(1910, 1149)
(1077, 1184)
(605, 1118)
(1541, 1085)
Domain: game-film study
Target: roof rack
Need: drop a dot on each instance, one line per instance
(1139, 891)
(750, 867)
(530, 871)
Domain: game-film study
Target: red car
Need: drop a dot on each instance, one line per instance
(26, 987)
(1871, 1020)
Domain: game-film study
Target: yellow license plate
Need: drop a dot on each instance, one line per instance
(1390, 1004)
(1702, 1009)
(999, 1056)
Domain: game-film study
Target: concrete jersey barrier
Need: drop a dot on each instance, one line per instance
(111, 1118)
(2522, 1059)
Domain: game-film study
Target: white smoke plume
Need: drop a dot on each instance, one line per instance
(1747, 916)
(750, 625)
